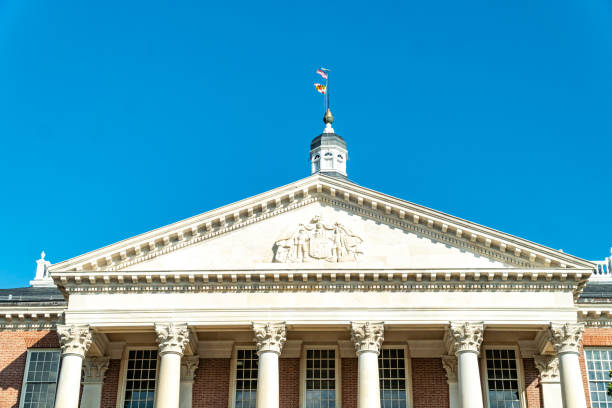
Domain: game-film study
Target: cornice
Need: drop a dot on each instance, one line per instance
(318, 188)
(341, 278)
(595, 315)
(31, 318)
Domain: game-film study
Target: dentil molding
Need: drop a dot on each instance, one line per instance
(74, 339)
(172, 337)
(367, 336)
(270, 337)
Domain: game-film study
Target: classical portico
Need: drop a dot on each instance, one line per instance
(334, 277)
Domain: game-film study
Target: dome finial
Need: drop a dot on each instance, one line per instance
(328, 118)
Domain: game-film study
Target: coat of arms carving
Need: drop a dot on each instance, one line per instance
(318, 241)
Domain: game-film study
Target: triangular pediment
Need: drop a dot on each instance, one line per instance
(321, 221)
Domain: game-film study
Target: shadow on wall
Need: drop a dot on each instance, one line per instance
(14, 346)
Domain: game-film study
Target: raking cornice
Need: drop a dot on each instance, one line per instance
(436, 225)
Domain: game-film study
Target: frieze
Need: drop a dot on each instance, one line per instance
(318, 240)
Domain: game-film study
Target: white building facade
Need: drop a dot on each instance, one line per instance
(320, 293)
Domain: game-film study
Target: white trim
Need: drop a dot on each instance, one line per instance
(520, 372)
(233, 370)
(123, 372)
(24, 381)
(338, 372)
(408, 369)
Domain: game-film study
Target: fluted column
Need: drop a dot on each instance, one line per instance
(450, 365)
(467, 340)
(566, 339)
(367, 338)
(548, 366)
(270, 338)
(75, 341)
(188, 367)
(94, 369)
(172, 339)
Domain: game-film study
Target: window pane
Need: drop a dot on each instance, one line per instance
(140, 379)
(41, 380)
(502, 378)
(246, 379)
(598, 369)
(392, 377)
(320, 379)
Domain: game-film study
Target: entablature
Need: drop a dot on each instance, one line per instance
(348, 278)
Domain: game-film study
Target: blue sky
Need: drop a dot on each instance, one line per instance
(119, 117)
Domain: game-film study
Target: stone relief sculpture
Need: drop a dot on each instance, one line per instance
(318, 241)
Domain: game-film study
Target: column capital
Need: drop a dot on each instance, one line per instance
(270, 336)
(566, 337)
(94, 369)
(74, 339)
(548, 366)
(467, 336)
(171, 337)
(450, 365)
(367, 336)
(189, 365)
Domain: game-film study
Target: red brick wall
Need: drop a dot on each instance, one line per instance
(289, 383)
(349, 382)
(111, 385)
(593, 337)
(429, 386)
(211, 385)
(13, 352)
(532, 383)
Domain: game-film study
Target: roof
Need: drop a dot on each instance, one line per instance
(45, 295)
(596, 292)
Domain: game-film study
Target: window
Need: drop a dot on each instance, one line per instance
(40, 379)
(392, 376)
(140, 379)
(246, 379)
(320, 378)
(502, 379)
(598, 368)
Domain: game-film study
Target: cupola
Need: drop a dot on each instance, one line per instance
(328, 154)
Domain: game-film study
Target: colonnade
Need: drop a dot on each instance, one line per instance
(176, 372)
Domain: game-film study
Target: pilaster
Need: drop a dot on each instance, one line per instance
(94, 369)
(189, 365)
(450, 366)
(548, 366)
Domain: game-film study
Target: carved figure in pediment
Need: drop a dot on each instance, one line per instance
(318, 241)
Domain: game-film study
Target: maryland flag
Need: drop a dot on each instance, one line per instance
(320, 88)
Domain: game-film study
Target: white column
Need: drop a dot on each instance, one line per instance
(172, 339)
(270, 338)
(94, 369)
(467, 340)
(367, 338)
(566, 339)
(548, 366)
(75, 341)
(188, 368)
(450, 365)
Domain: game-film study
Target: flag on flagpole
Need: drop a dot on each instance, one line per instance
(320, 88)
(321, 72)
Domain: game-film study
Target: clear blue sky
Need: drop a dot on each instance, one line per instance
(118, 117)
